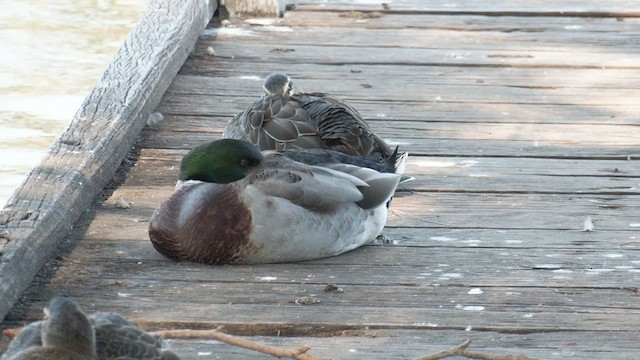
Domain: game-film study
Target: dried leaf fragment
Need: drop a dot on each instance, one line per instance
(306, 300)
(333, 288)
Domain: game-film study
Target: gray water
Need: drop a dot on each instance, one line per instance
(52, 53)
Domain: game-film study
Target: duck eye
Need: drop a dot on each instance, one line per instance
(244, 162)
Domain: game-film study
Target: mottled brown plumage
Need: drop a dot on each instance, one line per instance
(223, 211)
(29, 336)
(115, 338)
(66, 334)
(286, 119)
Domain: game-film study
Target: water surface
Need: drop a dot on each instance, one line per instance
(53, 53)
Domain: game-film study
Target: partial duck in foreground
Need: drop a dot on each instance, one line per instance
(287, 119)
(243, 206)
(67, 333)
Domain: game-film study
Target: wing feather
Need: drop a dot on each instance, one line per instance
(312, 187)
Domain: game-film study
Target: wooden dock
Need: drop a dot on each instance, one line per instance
(523, 126)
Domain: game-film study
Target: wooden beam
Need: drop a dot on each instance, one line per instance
(529, 8)
(248, 8)
(85, 157)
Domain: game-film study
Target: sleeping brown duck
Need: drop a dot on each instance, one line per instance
(285, 118)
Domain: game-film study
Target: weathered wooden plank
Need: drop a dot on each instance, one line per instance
(282, 54)
(401, 344)
(421, 89)
(418, 133)
(572, 141)
(517, 211)
(615, 8)
(604, 241)
(434, 304)
(125, 282)
(471, 210)
(87, 154)
(544, 134)
(459, 22)
(460, 174)
(519, 175)
(536, 135)
(431, 111)
(251, 75)
(133, 222)
(411, 344)
(439, 302)
(451, 147)
(571, 38)
(437, 292)
(112, 265)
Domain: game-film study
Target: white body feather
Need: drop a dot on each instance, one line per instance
(283, 231)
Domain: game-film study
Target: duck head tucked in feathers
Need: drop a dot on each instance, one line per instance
(285, 118)
(220, 162)
(277, 84)
(67, 333)
(243, 206)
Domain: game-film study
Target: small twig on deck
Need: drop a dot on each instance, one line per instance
(299, 353)
(446, 353)
(461, 350)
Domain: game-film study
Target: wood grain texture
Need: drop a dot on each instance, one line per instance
(524, 8)
(423, 89)
(86, 156)
(515, 140)
(463, 174)
(339, 55)
(250, 74)
(243, 8)
(566, 141)
(409, 344)
(466, 24)
(584, 35)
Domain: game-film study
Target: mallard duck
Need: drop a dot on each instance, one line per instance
(66, 334)
(115, 337)
(285, 118)
(237, 205)
(29, 336)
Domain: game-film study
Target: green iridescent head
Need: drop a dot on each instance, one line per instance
(221, 161)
